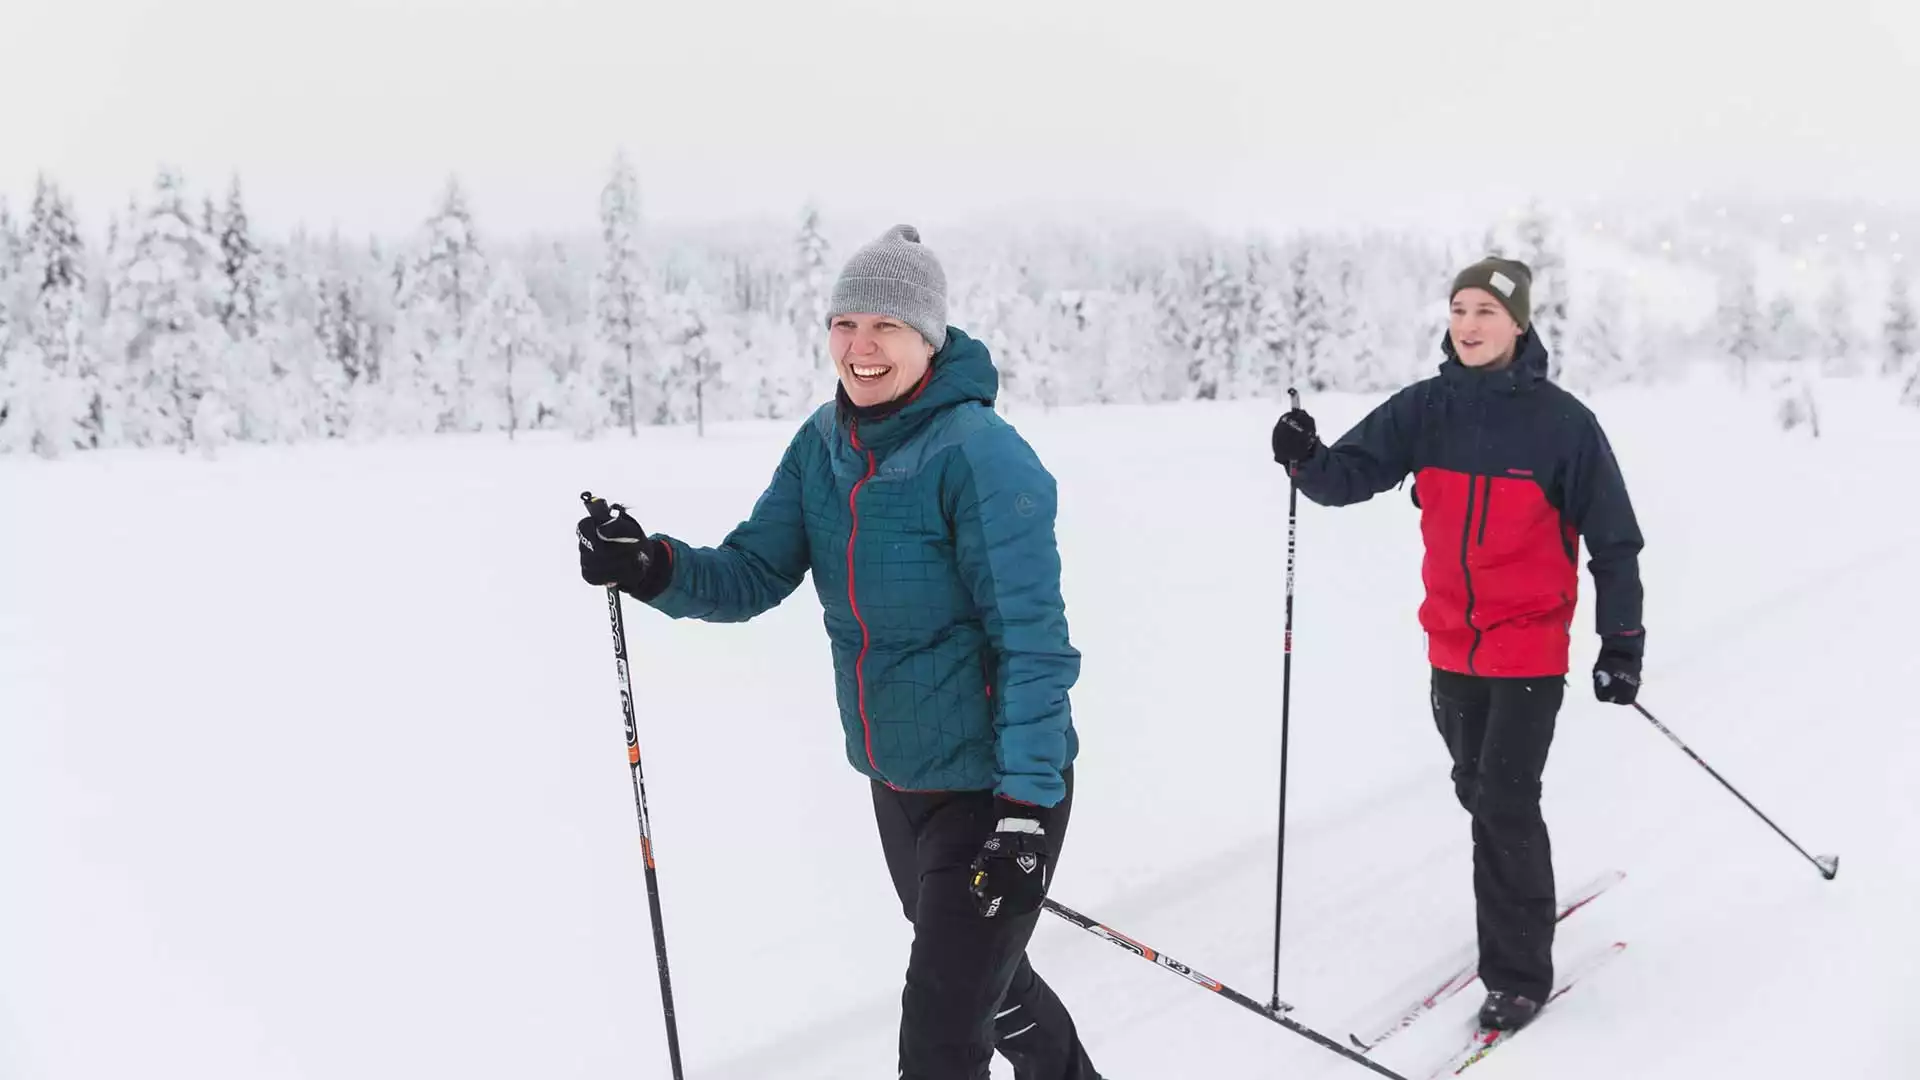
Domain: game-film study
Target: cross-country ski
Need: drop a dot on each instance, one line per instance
(1461, 972)
(1484, 1040)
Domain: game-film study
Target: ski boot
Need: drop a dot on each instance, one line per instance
(1507, 1012)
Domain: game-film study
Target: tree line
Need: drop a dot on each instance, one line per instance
(188, 328)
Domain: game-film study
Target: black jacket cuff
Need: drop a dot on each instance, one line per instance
(655, 577)
(1631, 645)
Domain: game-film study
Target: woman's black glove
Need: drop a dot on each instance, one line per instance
(615, 550)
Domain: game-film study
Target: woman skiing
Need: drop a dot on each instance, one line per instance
(1510, 472)
(928, 525)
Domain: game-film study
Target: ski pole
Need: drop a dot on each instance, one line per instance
(600, 511)
(1286, 702)
(1276, 1014)
(1828, 865)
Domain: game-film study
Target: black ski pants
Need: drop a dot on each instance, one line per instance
(970, 990)
(1498, 731)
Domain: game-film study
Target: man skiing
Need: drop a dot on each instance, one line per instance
(1510, 473)
(928, 525)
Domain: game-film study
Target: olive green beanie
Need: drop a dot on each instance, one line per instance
(1510, 282)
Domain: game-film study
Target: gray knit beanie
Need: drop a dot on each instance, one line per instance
(895, 276)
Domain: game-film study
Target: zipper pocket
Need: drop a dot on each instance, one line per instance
(1486, 503)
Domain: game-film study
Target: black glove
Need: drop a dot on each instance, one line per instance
(1616, 676)
(1294, 437)
(1010, 874)
(615, 550)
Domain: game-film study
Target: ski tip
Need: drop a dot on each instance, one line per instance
(1357, 1044)
(1829, 866)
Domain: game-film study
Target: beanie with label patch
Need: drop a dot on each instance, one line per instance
(1509, 280)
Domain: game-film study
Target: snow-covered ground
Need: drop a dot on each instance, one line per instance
(311, 766)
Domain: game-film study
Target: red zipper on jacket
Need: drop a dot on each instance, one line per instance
(860, 661)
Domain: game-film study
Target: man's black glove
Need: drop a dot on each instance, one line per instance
(615, 550)
(1294, 437)
(1616, 676)
(1010, 873)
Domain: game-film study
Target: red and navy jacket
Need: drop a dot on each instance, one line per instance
(1510, 472)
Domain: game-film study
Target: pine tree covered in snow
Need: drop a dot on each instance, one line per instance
(1174, 321)
(346, 359)
(16, 398)
(1739, 324)
(19, 393)
(1216, 335)
(165, 328)
(70, 413)
(1838, 334)
(1792, 341)
(1902, 342)
(521, 388)
(440, 297)
(1600, 336)
(273, 360)
(1264, 342)
(1787, 334)
(13, 254)
(1305, 317)
(1356, 339)
(621, 293)
(120, 225)
(695, 376)
(808, 295)
(240, 268)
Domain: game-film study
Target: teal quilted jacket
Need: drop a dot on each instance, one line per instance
(930, 535)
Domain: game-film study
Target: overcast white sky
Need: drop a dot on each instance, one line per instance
(352, 112)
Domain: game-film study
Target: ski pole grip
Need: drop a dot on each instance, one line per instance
(1293, 397)
(597, 508)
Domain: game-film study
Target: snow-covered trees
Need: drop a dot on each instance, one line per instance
(620, 299)
(1214, 346)
(67, 412)
(13, 253)
(184, 325)
(694, 372)
(1839, 352)
(1903, 340)
(240, 270)
(164, 328)
(514, 351)
(20, 393)
(1600, 349)
(1304, 322)
(1739, 326)
(439, 299)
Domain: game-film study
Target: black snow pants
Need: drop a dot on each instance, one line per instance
(1498, 731)
(970, 990)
